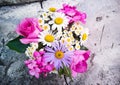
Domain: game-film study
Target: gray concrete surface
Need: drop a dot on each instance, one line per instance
(104, 42)
(16, 2)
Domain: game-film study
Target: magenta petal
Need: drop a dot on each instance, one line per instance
(18, 31)
(84, 16)
(30, 66)
(42, 52)
(32, 72)
(81, 67)
(27, 62)
(36, 54)
(86, 55)
(74, 74)
(49, 67)
(37, 70)
(37, 75)
(79, 52)
(27, 41)
(34, 34)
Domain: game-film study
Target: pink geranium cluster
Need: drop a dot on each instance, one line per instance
(38, 65)
(79, 59)
(73, 14)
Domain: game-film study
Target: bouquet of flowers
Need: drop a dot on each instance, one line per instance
(53, 42)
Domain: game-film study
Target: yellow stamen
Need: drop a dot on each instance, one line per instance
(49, 38)
(68, 40)
(71, 48)
(73, 28)
(84, 36)
(45, 27)
(59, 54)
(40, 21)
(44, 14)
(80, 28)
(58, 20)
(63, 40)
(52, 9)
(77, 47)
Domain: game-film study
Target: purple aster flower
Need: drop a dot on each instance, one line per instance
(58, 54)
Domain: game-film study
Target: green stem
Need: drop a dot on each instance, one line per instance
(65, 80)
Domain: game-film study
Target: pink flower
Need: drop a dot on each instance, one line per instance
(34, 72)
(73, 14)
(29, 29)
(38, 65)
(79, 59)
(32, 64)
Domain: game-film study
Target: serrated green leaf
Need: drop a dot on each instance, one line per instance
(16, 45)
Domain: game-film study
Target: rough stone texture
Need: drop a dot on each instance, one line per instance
(13, 2)
(20, 2)
(104, 43)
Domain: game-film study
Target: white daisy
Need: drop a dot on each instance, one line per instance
(40, 21)
(45, 27)
(68, 41)
(84, 35)
(71, 48)
(77, 46)
(77, 28)
(45, 15)
(35, 45)
(52, 9)
(47, 37)
(31, 49)
(59, 21)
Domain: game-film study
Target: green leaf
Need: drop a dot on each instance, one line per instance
(16, 45)
(65, 71)
(40, 45)
(83, 47)
(61, 71)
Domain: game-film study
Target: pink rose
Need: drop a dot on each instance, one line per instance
(79, 59)
(29, 29)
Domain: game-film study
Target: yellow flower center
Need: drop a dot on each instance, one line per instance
(77, 46)
(52, 9)
(71, 48)
(44, 14)
(49, 38)
(80, 28)
(84, 36)
(40, 21)
(68, 40)
(59, 54)
(63, 40)
(58, 20)
(45, 27)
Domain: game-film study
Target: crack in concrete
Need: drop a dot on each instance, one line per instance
(92, 58)
(102, 34)
(112, 45)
